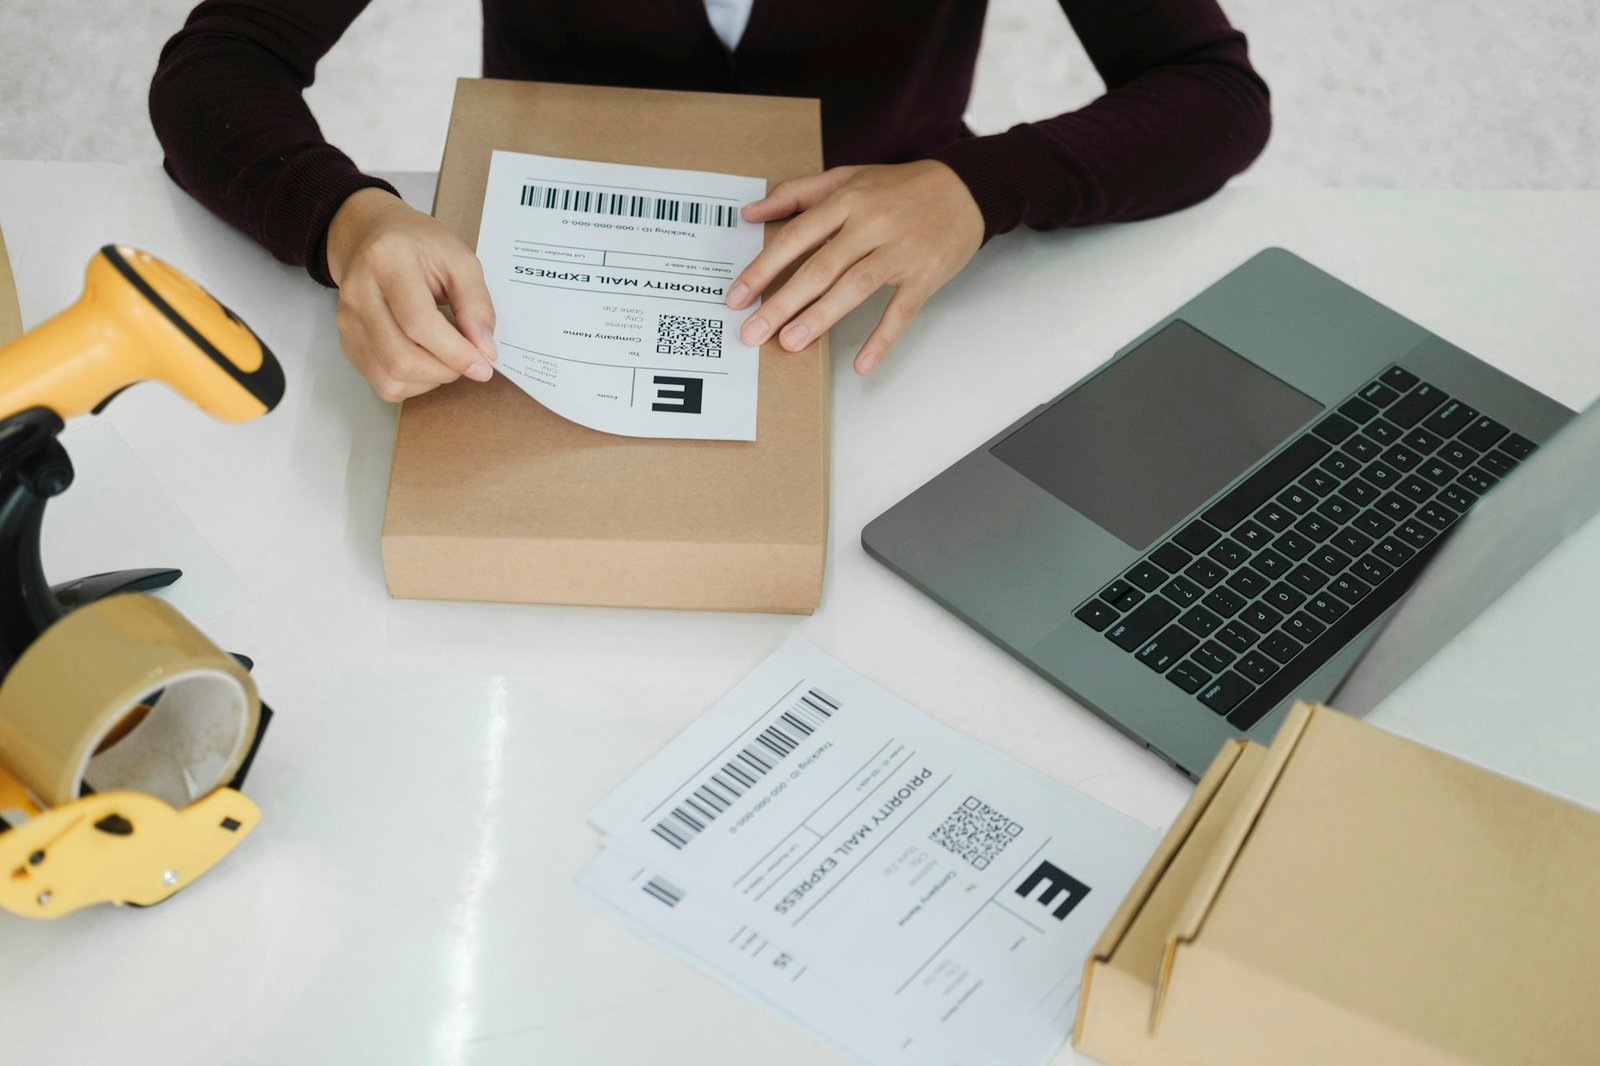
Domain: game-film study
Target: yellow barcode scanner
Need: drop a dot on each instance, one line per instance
(139, 320)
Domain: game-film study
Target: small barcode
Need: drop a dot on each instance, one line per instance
(739, 774)
(665, 891)
(629, 205)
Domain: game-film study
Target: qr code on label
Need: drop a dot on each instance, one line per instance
(975, 832)
(687, 335)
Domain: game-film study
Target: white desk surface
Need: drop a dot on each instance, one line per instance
(408, 897)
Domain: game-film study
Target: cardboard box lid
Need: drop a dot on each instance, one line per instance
(1363, 892)
(10, 312)
(484, 462)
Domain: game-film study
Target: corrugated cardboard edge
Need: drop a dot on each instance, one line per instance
(10, 310)
(1154, 870)
(1210, 883)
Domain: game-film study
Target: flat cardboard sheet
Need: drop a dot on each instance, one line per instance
(492, 497)
(1352, 896)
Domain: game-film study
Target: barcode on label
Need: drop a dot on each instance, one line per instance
(629, 205)
(663, 890)
(718, 792)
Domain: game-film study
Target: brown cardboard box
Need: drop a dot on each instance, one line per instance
(1348, 896)
(10, 313)
(492, 497)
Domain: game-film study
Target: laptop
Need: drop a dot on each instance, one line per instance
(1217, 521)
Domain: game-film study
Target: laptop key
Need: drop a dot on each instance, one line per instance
(1437, 516)
(1457, 454)
(1483, 433)
(1458, 497)
(1196, 537)
(1271, 563)
(1225, 691)
(1421, 441)
(1518, 446)
(1320, 482)
(1339, 465)
(1170, 557)
(1314, 527)
(1247, 582)
(1229, 552)
(1353, 589)
(1162, 652)
(1265, 483)
(1188, 676)
(1337, 510)
(1199, 621)
(1361, 448)
(1280, 597)
(1121, 595)
(1372, 523)
(1252, 535)
(1237, 636)
(1415, 405)
(1334, 428)
(1205, 572)
(1306, 578)
(1417, 534)
(1147, 575)
(1379, 395)
(1398, 379)
(1393, 552)
(1261, 617)
(1393, 505)
(1401, 458)
(1326, 607)
(1096, 614)
(1330, 559)
(1280, 646)
(1293, 545)
(1352, 541)
(1448, 420)
(1358, 492)
(1478, 480)
(1297, 499)
(1357, 410)
(1223, 601)
(1257, 667)
(1274, 517)
(1142, 624)
(1383, 432)
(1438, 471)
(1497, 463)
(1182, 591)
(1416, 490)
(1371, 569)
(1304, 628)
(1382, 475)
(1213, 656)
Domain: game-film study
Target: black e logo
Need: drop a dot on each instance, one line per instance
(678, 394)
(1055, 881)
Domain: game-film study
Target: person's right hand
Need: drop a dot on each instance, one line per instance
(394, 266)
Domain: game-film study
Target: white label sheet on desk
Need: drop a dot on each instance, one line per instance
(609, 284)
(948, 890)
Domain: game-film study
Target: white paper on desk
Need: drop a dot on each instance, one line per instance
(609, 284)
(947, 889)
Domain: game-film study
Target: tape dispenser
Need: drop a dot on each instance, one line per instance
(125, 734)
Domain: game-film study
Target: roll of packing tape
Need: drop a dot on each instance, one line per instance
(125, 693)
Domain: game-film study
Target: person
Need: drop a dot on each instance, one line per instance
(908, 196)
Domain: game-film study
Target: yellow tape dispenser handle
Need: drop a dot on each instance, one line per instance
(139, 320)
(125, 696)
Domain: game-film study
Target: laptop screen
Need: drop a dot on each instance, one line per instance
(1156, 433)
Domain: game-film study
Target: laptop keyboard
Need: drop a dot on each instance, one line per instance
(1248, 600)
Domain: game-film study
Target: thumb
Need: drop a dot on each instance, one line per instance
(472, 308)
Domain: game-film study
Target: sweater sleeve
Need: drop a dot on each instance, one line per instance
(1183, 112)
(227, 108)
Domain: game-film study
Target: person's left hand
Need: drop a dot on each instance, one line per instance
(911, 226)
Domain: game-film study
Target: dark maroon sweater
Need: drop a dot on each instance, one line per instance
(1183, 111)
